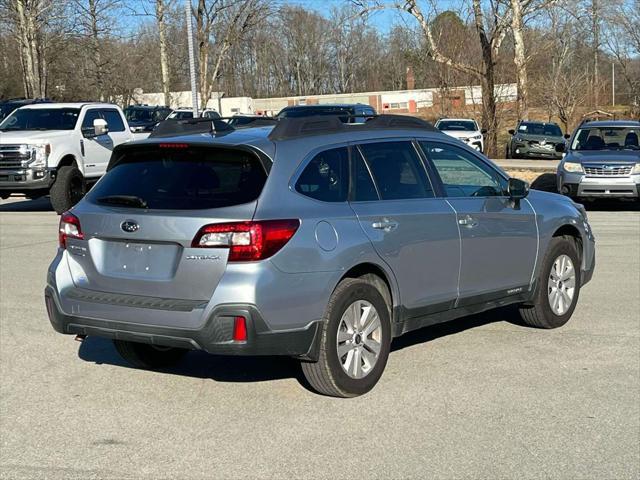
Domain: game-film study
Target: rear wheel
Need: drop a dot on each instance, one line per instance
(142, 355)
(355, 342)
(68, 188)
(507, 152)
(558, 286)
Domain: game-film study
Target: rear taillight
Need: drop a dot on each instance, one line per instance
(69, 228)
(247, 241)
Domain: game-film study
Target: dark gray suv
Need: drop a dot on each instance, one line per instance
(535, 140)
(313, 238)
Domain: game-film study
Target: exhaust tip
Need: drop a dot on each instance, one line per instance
(80, 338)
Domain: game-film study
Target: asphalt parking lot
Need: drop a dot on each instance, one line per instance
(481, 397)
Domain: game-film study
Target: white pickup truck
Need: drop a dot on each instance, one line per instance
(56, 149)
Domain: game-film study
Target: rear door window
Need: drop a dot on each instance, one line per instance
(326, 177)
(181, 178)
(397, 170)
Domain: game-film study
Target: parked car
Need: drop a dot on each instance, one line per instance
(143, 118)
(187, 113)
(311, 239)
(55, 149)
(351, 111)
(250, 121)
(603, 161)
(464, 129)
(535, 140)
(8, 106)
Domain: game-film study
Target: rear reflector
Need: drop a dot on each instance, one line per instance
(247, 241)
(239, 329)
(69, 228)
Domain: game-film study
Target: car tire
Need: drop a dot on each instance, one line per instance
(67, 189)
(558, 286)
(358, 369)
(507, 152)
(150, 357)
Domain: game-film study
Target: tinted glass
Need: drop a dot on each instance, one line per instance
(363, 188)
(598, 138)
(326, 177)
(462, 174)
(41, 119)
(463, 125)
(114, 120)
(194, 178)
(89, 117)
(548, 129)
(397, 170)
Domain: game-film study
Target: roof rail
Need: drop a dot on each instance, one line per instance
(190, 126)
(294, 127)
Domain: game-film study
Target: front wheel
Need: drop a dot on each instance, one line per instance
(355, 342)
(67, 189)
(558, 286)
(142, 355)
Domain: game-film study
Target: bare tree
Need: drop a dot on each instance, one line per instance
(490, 34)
(219, 25)
(95, 21)
(164, 55)
(29, 21)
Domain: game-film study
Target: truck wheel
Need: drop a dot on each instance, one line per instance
(68, 188)
(142, 355)
(507, 152)
(355, 341)
(558, 286)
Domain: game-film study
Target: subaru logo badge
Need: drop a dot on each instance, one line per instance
(608, 167)
(129, 226)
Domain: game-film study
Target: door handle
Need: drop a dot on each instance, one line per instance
(386, 225)
(468, 221)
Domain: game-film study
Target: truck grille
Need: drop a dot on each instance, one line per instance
(14, 157)
(609, 170)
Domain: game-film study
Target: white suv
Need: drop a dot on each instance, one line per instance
(464, 129)
(57, 148)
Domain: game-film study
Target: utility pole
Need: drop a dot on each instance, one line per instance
(596, 48)
(613, 83)
(192, 61)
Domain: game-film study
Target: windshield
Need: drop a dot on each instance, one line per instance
(606, 138)
(310, 111)
(547, 129)
(41, 119)
(6, 109)
(145, 115)
(464, 125)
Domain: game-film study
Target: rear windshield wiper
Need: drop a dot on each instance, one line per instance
(126, 200)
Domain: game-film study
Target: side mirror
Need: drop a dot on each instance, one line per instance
(560, 147)
(100, 127)
(518, 189)
(567, 136)
(483, 131)
(512, 132)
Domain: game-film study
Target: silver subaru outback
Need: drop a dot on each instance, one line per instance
(312, 238)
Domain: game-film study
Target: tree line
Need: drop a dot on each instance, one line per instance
(561, 53)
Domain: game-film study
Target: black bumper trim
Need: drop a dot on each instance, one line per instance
(215, 336)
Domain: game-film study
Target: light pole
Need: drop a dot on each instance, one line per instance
(193, 70)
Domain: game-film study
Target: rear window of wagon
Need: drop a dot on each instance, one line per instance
(183, 178)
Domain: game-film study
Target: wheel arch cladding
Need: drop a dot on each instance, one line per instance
(567, 230)
(378, 277)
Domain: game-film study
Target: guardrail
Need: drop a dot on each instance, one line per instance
(533, 165)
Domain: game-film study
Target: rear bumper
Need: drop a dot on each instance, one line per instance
(214, 336)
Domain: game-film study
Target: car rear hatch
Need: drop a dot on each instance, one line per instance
(137, 224)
